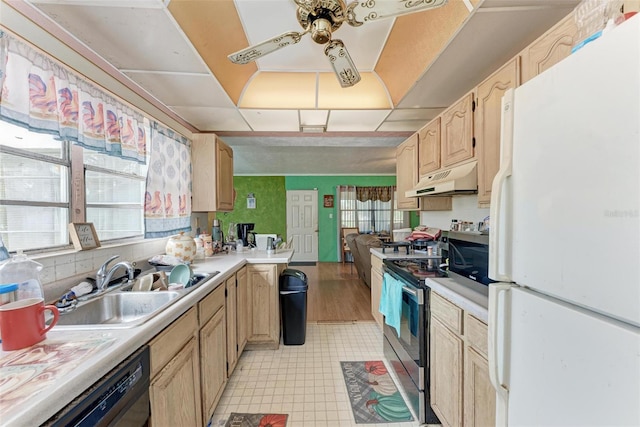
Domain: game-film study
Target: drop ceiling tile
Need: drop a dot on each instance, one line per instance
(355, 120)
(403, 114)
(213, 119)
(129, 38)
(193, 90)
(313, 117)
(402, 126)
(272, 120)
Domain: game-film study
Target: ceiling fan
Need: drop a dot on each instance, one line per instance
(322, 17)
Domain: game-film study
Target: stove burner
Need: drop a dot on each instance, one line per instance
(414, 270)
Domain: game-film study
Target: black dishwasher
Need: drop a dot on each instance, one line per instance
(120, 398)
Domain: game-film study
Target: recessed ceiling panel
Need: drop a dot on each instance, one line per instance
(313, 117)
(129, 38)
(280, 90)
(272, 120)
(213, 119)
(368, 93)
(355, 121)
(197, 90)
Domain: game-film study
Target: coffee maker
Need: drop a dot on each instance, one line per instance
(243, 232)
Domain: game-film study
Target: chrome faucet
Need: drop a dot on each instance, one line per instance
(103, 277)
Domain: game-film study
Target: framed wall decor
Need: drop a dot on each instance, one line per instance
(83, 235)
(328, 201)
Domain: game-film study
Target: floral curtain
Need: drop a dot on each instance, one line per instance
(383, 194)
(167, 208)
(42, 95)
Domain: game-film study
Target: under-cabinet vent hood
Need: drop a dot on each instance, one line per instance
(461, 179)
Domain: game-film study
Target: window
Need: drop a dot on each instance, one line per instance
(36, 188)
(372, 216)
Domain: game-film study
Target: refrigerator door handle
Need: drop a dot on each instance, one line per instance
(496, 352)
(499, 252)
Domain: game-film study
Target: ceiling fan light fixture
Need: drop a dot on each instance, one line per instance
(321, 31)
(342, 64)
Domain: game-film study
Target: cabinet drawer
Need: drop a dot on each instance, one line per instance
(447, 312)
(211, 304)
(376, 263)
(475, 332)
(167, 344)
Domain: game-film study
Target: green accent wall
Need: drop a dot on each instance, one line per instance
(328, 217)
(270, 214)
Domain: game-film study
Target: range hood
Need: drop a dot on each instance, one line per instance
(457, 180)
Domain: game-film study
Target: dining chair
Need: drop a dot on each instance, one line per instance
(345, 248)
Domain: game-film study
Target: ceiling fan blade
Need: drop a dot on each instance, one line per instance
(342, 64)
(254, 52)
(359, 12)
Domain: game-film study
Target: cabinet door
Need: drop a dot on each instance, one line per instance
(407, 172)
(232, 345)
(446, 374)
(212, 174)
(487, 125)
(429, 147)
(264, 313)
(175, 391)
(549, 49)
(457, 132)
(213, 362)
(224, 182)
(376, 290)
(479, 394)
(241, 308)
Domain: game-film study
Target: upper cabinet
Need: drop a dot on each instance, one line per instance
(407, 172)
(549, 49)
(212, 162)
(487, 125)
(429, 147)
(457, 132)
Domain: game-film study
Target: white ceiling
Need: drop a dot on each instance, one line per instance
(142, 40)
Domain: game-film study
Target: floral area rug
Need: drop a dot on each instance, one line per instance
(373, 395)
(256, 420)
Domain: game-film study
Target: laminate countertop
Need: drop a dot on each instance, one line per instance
(38, 381)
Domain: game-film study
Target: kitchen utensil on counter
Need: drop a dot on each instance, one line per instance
(243, 232)
(143, 283)
(216, 231)
(181, 246)
(25, 272)
(22, 323)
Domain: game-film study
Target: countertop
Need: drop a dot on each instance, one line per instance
(38, 381)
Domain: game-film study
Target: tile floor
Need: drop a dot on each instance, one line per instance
(305, 381)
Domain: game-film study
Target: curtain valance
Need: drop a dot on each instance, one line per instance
(44, 96)
(384, 194)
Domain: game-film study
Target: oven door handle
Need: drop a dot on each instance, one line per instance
(411, 291)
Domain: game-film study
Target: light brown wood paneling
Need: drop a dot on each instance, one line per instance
(170, 341)
(429, 147)
(407, 172)
(449, 313)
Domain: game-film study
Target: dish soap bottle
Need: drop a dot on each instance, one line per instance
(25, 272)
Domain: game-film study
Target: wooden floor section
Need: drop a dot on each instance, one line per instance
(336, 293)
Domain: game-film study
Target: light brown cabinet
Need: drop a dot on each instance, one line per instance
(457, 132)
(242, 306)
(461, 393)
(407, 172)
(549, 49)
(264, 306)
(212, 168)
(376, 289)
(488, 125)
(429, 147)
(175, 371)
(232, 322)
(213, 357)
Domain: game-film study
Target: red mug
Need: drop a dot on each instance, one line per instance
(22, 323)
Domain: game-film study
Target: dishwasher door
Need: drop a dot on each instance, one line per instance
(120, 398)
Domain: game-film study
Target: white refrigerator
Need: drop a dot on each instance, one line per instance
(564, 317)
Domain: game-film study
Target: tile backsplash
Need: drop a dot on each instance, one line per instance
(62, 270)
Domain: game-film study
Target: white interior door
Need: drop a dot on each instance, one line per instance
(302, 224)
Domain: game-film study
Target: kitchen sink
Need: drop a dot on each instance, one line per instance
(117, 310)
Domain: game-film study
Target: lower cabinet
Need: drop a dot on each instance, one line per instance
(175, 371)
(242, 309)
(264, 306)
(461, 392)
(376, 289)
(232, 324)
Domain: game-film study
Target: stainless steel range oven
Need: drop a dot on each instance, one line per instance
(407, 350)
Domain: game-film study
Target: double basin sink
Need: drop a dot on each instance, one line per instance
(121, 308)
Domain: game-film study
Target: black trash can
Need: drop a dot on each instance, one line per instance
(293, 306)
